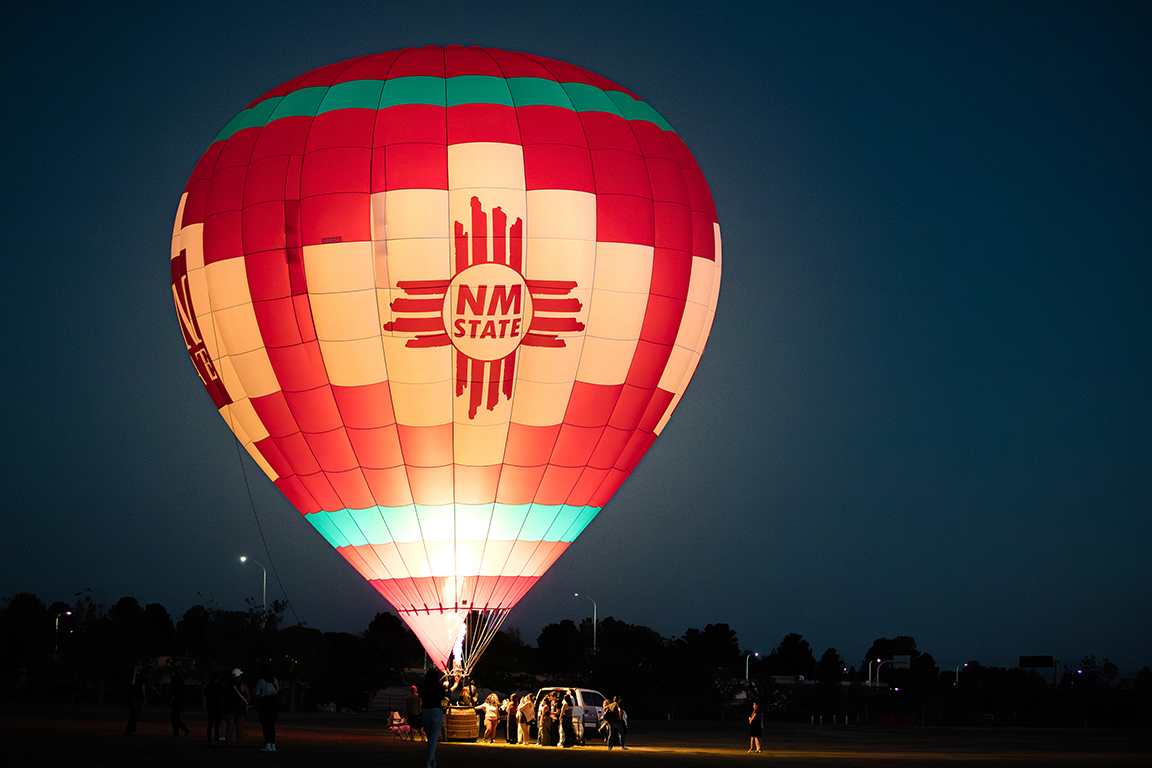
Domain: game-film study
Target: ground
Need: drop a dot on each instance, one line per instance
(48, 737)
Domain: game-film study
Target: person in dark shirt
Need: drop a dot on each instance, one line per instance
(613, 720)
(214, 707)
(755, 728)
(431, 713)
(267, 696)
(236, 695)
(177, 687)
(412, 710)
(137, 697)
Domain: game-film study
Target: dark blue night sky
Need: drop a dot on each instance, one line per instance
(926, 405)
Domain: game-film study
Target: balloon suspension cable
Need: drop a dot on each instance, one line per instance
(482, 627)
(260, 529)
(247, 485)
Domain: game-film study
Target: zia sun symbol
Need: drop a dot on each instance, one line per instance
(487, 310)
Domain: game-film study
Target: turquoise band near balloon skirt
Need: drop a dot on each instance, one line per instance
(416, 522)
(443, 92)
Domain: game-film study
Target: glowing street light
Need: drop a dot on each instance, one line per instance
(870, 671)
(747, 657)
(957, 683)
(264, 597)
(63, 613)
(593, 621)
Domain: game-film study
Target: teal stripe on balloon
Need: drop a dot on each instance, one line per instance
(507, 520)
(473, 521)
(634, 109)
(413, 90)
(322, 522)
(439, 91)
(302, 103)
(589, 98)
(371, 524)
(561, 522)
(536, 525)
(571, 524)
(580, 523)
(436, 523)
(402, 523)
(354, 94)
(467, 522)
(343, 521)
(536, 91)
(478, 89)
(256, 115)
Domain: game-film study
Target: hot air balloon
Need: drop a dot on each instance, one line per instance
(447, 298)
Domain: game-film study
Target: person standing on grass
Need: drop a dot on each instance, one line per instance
(267, 695)
(613, 721)
(544, 722)
(567, 735)
(431, 712)
(755, 728)
(491, 710)
(525, 714)
(137, 697)
(177, 689)
(236, 695)
(412, 711)
(213, 707)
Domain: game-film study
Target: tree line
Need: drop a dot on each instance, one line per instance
(80, 653)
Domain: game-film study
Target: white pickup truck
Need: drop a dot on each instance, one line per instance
(587, 707)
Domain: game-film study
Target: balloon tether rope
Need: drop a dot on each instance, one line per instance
(247, 486)
(260, 529)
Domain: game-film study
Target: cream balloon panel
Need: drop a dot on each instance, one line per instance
(704, 293)
(486, 166)
(251, 366)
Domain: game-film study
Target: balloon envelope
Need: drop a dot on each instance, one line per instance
(447, 298)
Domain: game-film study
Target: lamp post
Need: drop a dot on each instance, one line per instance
(264, 594)
(956, 684)
(593, 621)
(870, 663)
(747, 657)
(63, 613)
(882, 663)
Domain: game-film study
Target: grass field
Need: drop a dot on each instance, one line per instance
(51, 737)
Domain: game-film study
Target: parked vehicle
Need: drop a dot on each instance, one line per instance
(587, 706)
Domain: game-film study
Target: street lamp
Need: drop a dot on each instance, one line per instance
(63, 613)
(264, 597)
(747, 657)
(957, 683)
(593, 621)
(870, 663)
(882, 663)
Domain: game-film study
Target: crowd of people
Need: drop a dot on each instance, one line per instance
(549, 722)
(544, 720)
(225, 704)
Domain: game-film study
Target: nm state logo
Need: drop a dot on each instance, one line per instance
(487, 310)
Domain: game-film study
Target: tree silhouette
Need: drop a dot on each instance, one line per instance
(560, 648)
(792, 657)
(692, 676)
